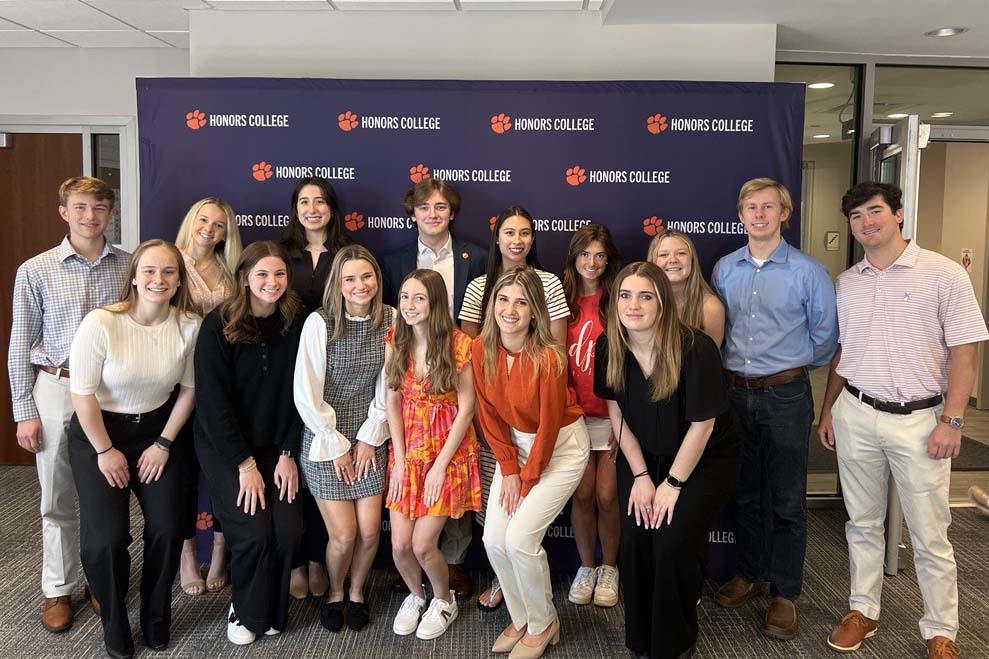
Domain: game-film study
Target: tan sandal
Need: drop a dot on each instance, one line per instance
(191, 585)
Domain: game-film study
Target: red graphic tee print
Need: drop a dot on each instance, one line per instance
(582, 336)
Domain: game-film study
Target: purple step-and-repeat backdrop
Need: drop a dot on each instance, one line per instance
(635, 156)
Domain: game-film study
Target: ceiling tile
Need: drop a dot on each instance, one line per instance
(28, 39)
(108, 38)
(395, 5)
(57, 15)
(513, 5)
(151, 14)
(178, 38)
(272, 5)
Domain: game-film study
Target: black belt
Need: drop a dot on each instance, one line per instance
(120, 417)
(895, 408)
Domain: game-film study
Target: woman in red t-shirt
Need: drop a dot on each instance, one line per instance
(592, 263)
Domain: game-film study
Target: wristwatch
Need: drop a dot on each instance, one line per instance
(286, 454)
(674, 482)
(164, 442)
(956, 422)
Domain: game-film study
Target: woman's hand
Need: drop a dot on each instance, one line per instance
(433, 485)
(511, 494)
(364, 460)
(251, 489)
(286, 478)
(640, 501)
(344, 466)
(113, 466)
(151, 464)
(663, 503)
(396, 480)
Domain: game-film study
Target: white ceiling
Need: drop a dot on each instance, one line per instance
(887, 27)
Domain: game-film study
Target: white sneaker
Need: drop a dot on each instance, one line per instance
(438, 618)
(272, 632)
(408, 615)
(582, 588)
(606, 591)
(237, 633)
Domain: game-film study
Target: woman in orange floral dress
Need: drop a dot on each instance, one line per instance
(433, 467)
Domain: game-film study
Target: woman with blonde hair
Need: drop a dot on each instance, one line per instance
(339, 391)
(678, 465)
(209, 241)
(698, 306)
(537, 434)
(127, 358)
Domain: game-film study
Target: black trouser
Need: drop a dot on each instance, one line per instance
(314, 535)
(661, 570)
(185, 455)
(104, 520)
(263, 546)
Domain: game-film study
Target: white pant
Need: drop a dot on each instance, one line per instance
(871, 445)
(514, 544)
(59, 518)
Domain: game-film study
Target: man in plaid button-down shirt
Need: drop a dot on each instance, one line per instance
(52, 293)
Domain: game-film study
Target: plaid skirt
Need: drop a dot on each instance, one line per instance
(320, 478)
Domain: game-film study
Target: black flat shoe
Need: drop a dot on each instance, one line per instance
(331, 616)
(119, 654)
(357, 615)
(157, 647)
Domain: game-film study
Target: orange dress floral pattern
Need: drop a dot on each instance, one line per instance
(427, 419)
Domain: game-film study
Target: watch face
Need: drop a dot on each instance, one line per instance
(957, 422)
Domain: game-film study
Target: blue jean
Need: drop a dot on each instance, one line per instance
(770, 502)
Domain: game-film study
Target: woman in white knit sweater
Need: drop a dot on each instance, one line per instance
(126, 359)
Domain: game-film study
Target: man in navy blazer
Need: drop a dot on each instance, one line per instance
(433, 204)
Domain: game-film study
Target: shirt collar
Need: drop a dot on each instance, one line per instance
(66, 250)
(906, 259)
(445, 250)
(780, 255)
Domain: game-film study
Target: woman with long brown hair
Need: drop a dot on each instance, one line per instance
(210, 244)
(698, 306)
(339, 388)
(433, 464)
(679, 458)
(538, 437)
(247, 435)
(591, 266)
(126, 360)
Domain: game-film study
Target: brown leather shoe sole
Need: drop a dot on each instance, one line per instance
(851, 648)
(780, 633)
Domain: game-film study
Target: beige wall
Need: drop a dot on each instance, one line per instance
(831, 178)
(930, 205)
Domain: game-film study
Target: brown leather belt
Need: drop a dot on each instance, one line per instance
(776, 379)
(57, 372)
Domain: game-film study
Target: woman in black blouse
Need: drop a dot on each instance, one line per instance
(679, 456)
(312, 238)
(247, 433)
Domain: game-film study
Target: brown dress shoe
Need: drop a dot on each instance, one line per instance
(460, 583)
(781, 619)
(941, 647)
(56, 616)
(854, 628)
(738, 591)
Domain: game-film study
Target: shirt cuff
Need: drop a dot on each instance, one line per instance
(328, 446)
(373, 432)
(509, 468)
(526, 486)
(25, 410)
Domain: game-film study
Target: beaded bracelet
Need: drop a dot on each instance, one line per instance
(250, 467)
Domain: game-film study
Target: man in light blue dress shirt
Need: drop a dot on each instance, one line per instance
(781, 321)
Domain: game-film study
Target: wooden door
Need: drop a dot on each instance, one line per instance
(31, 170)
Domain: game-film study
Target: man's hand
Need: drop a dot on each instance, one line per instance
(30, 434)
(944, 442)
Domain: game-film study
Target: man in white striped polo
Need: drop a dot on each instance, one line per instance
(909, 329)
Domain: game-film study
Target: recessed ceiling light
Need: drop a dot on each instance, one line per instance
(941, 115)
(821, 136)
(898, 115)
(821, 85)
(945, 31)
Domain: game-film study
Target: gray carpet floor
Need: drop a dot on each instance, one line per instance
(199, 623)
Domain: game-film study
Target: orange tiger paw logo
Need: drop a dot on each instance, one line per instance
(501, 122)
(656, 124)
(195, 119)
(652, 225)
(261, 171)
(353, 221)
(576, 175)
(347, 121)
(492, 221)
(204, 521)
(418, 173)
